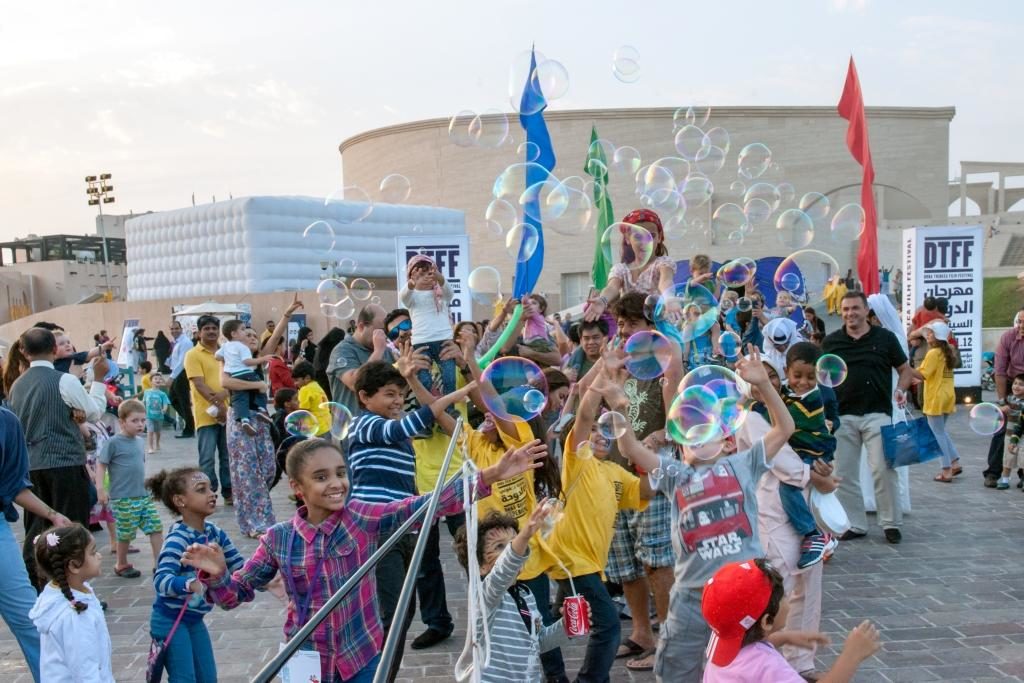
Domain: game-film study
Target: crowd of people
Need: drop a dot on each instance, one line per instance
(710, 549)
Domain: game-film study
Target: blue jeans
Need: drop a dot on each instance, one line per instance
(244, 401)
(946, 445)
(605, 629)
(433, 350)
(213, 446)
(365, 674)
(190, 652)
(17, 596)
(795, 505)
(554, 665)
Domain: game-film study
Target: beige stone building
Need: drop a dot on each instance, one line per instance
(910, 146)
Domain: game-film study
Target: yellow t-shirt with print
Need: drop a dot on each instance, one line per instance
(430, 451)
(594, 491)
(311, 397)
(939, 394)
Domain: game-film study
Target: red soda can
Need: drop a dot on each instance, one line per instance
(577, 616)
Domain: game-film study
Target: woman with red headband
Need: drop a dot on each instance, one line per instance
(653, 277)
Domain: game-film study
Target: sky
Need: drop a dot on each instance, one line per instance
(254, 97)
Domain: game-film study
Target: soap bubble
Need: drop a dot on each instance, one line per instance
(786, 192)
(692, 308)
(489, 129)
(655, 180)
(765, 191)
(545, 200)
(302, 423)
(729, 217)
(717, 137)
(577, 212)
(521, 241)
(360, 289)
(534, 401)
(816, 206)
(347, 266)
(696, 190)
(689, 140)
(737, 273)
(509, 386)
(375, 299)
(753, 160)
(831, 370)
(671, 471)
(757, 211)
(353, 198)
(458, 128)
(343, 310)
(709, 407)
(529, 151)
(731, 345)
(735, 238)
(695, 114)
(612, 425)
(738, 188)
(341, 419)
(484, 285)
(648, 354)
(805, 274)
(626, 64)
(626, 160)
(601, 149)
(986, 419)
(631, 245)
(501, 215)
(550, 79)
(710, 159)
(319, 235)
(520, 72)
(794, 229)
(677, 167)
(331, 291)
(556, 510)
(394, 189)
(744, 304)
(848, 224)
(510, 184)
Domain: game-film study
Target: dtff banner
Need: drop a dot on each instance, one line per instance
(947, 262)
(451, 254)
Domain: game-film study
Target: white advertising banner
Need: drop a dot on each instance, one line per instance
(451, 254)
(947, 262)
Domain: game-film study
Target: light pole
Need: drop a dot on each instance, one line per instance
(99, 194)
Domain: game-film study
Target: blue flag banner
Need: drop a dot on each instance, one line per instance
(528, 270)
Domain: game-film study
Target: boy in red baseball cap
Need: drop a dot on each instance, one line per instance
(744, 603)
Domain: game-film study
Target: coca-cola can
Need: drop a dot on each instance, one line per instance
(577, 616)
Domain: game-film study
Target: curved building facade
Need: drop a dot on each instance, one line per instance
(910, 146)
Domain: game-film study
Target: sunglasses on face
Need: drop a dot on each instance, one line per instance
(398, 329)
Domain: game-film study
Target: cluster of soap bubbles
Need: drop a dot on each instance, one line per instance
(488, 129)
(708, 407)
(338, 297)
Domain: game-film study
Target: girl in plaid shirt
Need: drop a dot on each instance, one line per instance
(328, 539)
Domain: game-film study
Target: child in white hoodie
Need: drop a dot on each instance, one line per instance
(74, 642)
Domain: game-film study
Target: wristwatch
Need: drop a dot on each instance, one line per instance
(1001, 402)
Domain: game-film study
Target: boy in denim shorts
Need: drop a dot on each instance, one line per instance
(123, 457)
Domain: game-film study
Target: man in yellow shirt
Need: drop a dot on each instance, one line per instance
(208, 404)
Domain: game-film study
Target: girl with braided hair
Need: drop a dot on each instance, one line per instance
(74, 642)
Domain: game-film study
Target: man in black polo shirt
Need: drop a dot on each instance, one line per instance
(865, 404)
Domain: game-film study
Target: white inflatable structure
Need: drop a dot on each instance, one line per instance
(256, 244)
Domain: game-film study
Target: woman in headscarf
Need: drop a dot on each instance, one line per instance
(162, 350)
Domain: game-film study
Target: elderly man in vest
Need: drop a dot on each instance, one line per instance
(43, 399)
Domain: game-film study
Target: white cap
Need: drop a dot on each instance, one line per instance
(939, 329)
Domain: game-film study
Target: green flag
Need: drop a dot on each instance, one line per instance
(597, 168)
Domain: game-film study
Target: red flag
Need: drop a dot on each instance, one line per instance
(851, 108)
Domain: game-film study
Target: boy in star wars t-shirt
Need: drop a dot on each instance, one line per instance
(714, 513)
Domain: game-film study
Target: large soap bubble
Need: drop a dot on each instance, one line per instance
(753, 160)
(631, 245)
(804, 275)
(302, 423)
(648, 354)
(521, 241)
(484, 285)
(341, 419)
(509, 386)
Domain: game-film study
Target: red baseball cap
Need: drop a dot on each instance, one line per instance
(734, 599)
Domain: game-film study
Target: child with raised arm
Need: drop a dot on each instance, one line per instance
(746, 606)
(427, 296)
(509, 612)
(714, 513)
(240, 364)
(327, 540)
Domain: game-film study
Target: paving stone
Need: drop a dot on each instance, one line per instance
(947, 599)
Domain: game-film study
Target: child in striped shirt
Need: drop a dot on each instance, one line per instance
(509, 610)
(186, 492)
(812, 440)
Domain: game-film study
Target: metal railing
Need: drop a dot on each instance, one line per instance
(268, 672)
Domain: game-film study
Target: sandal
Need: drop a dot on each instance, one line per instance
(811, 675)
(632, 649)
(131, 550)
(127, 572)
(645, 662)
(943, 478)
(958, 470)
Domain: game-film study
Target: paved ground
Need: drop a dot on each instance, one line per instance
(948, 600)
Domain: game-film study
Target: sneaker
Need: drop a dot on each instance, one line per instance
(812, 550)
(429, 638)
(830, 547)
(1003, 483)
(247, 426)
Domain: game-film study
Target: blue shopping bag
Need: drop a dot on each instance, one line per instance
(909, 441)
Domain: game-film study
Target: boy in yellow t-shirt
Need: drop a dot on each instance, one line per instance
(311, 395)
(594, 490)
